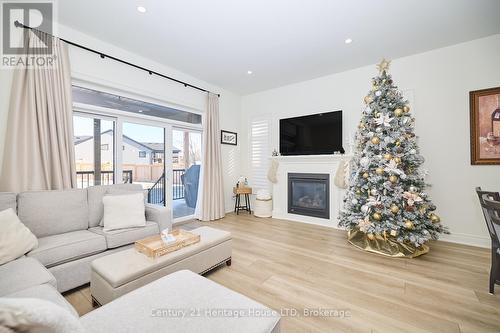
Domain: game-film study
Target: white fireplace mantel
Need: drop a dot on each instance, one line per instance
(326, 164)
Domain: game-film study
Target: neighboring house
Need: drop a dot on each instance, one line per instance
(134, 152)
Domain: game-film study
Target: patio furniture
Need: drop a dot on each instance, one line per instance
(190, 179)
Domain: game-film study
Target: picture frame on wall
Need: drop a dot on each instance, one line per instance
(228, 138)
(485, 126)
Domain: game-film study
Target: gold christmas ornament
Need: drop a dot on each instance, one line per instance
(398, 112)
(406, 108)
(393, 178)
(397, 160)
(366, 175)
(368, 99)
(394, 233)
(358, 192)
(371, 236)
(377, 216)
(375, 140)
(409, 224)
(387, 156)
(398, 143)
(394, 209)
(379, 171)
(435, 218)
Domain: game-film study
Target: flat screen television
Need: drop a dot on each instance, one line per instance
(315, 134)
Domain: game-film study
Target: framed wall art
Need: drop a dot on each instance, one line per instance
(485, 126)
(228, 138)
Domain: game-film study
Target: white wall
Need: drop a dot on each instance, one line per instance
(438, 84)
(90, 67)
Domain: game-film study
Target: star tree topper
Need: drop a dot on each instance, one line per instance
(384, 65)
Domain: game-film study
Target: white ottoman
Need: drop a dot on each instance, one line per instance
(119, 273)
(182, 302)
(263, 208)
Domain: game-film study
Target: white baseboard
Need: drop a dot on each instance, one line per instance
(467, 239)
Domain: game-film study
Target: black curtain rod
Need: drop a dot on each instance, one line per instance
(104, 55)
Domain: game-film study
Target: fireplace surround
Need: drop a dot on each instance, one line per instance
(309, 194)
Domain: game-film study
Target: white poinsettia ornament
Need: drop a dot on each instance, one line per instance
(383, 120)
(392, 168)
(412, 198)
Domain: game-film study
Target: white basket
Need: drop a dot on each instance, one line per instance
(263, 208)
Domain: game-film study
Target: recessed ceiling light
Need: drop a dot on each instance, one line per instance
(141, 9)
(348, 41)
(249, 72)
(140, 111)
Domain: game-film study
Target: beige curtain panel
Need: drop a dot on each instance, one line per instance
(39, 151)
(210, 204)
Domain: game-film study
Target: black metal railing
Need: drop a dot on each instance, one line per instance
(178, 186)
(87, 178)
(156, 194)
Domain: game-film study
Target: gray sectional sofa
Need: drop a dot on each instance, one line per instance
(66, 224)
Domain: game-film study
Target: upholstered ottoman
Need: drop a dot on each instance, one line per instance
(119, 273)
(182, 302)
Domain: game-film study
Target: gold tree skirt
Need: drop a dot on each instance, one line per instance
(387, 246)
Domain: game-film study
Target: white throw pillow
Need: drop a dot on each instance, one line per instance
(15, 239)
(124, 211)
(32, 315)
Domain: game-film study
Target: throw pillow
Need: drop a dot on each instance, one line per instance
(124, 211)
(15, 239)
(33, 315)
(119, 191)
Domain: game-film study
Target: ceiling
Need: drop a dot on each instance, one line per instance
(280, 41)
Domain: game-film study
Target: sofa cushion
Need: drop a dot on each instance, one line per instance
(176, 291)
(23, 273)
(15, 238)
(95, 195)
(48, 213)
(36, 315)
(46, 292)
(116, 238)
(8, 200)
(58, 249)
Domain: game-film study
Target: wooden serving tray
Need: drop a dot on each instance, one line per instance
(154, 246)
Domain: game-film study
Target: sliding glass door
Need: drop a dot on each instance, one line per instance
(94, 150)
(124, 140)
(143, 157)
(186, 163)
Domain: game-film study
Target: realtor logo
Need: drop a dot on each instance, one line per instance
(18, 46)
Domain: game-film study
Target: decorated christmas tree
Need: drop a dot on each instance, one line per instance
(386, 209)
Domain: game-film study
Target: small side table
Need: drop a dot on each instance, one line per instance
(246, 191)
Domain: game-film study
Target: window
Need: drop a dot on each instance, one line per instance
(260, 151)
(142, 154)
(94, 156)
(112, 101)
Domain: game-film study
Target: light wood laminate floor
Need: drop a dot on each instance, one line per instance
(288, 265)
